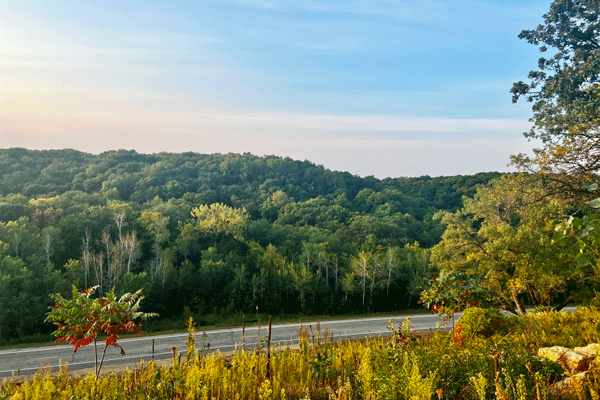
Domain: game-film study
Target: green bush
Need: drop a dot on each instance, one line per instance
(568, 329)
(484, 322)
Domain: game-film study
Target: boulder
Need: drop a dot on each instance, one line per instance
(571, 360)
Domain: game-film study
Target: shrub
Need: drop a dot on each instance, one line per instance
(484, 322)
(82, 319)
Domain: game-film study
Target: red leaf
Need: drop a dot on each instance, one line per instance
(81, 343)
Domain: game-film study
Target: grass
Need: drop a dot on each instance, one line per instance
(488, 358)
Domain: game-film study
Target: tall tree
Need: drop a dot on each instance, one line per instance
(416, 268)
(565, 92)
(17, 287)
(218, 220)
(157, 225)
(504, 235)
(87, 256)
(303, 281)
(365, 266)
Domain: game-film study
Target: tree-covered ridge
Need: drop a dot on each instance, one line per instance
(235, 179)
(213, 233)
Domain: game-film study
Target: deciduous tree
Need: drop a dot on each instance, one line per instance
(565, 92)
(218, 220)
(504, 234)
(83, 320)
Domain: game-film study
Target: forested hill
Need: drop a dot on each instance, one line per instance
(212, 232)
(237, 180)
(275, 189)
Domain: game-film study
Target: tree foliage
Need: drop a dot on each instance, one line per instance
(504, 234)
(217, 219)
(583, 233)
(451, 291)
(214, 234)
(83, 319)
(565, 92)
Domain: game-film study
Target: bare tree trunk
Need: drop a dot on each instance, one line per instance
(374, 274)
(518, 302)
(391, 259)
(269, 351)
(131, 249)
(307, 253)
(336, 274)
(327, 275)
(120, 221)
(47, 246)
(96, 358)
(98, 261)
(107, 242)
(364, 277)
(85, 253)
(101, 361)
(533, 295)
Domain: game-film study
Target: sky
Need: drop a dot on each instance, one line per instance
(374, 87)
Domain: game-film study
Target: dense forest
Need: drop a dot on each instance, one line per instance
(207, 234)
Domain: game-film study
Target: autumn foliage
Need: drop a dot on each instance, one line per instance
(84, 319)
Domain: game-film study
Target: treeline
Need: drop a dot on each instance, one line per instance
(206, 234)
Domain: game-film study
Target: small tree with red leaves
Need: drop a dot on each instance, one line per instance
(83, 320)
(450, 292)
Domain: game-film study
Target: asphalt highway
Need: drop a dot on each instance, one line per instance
(30, 360)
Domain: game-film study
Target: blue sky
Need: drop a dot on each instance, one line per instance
(383, 88)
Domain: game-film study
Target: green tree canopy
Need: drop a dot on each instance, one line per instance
(217, 220)
(504, 235)
(565, 92)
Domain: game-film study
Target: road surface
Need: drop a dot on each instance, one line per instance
(30, 360)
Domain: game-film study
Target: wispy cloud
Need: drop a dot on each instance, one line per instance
(415, 11)
(359, 85)
(340, 142)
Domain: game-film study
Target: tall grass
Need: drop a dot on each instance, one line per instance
(470, 365)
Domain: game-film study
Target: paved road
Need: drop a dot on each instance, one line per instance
(30, 360)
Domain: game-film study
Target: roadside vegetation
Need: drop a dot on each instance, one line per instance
(488, 356)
